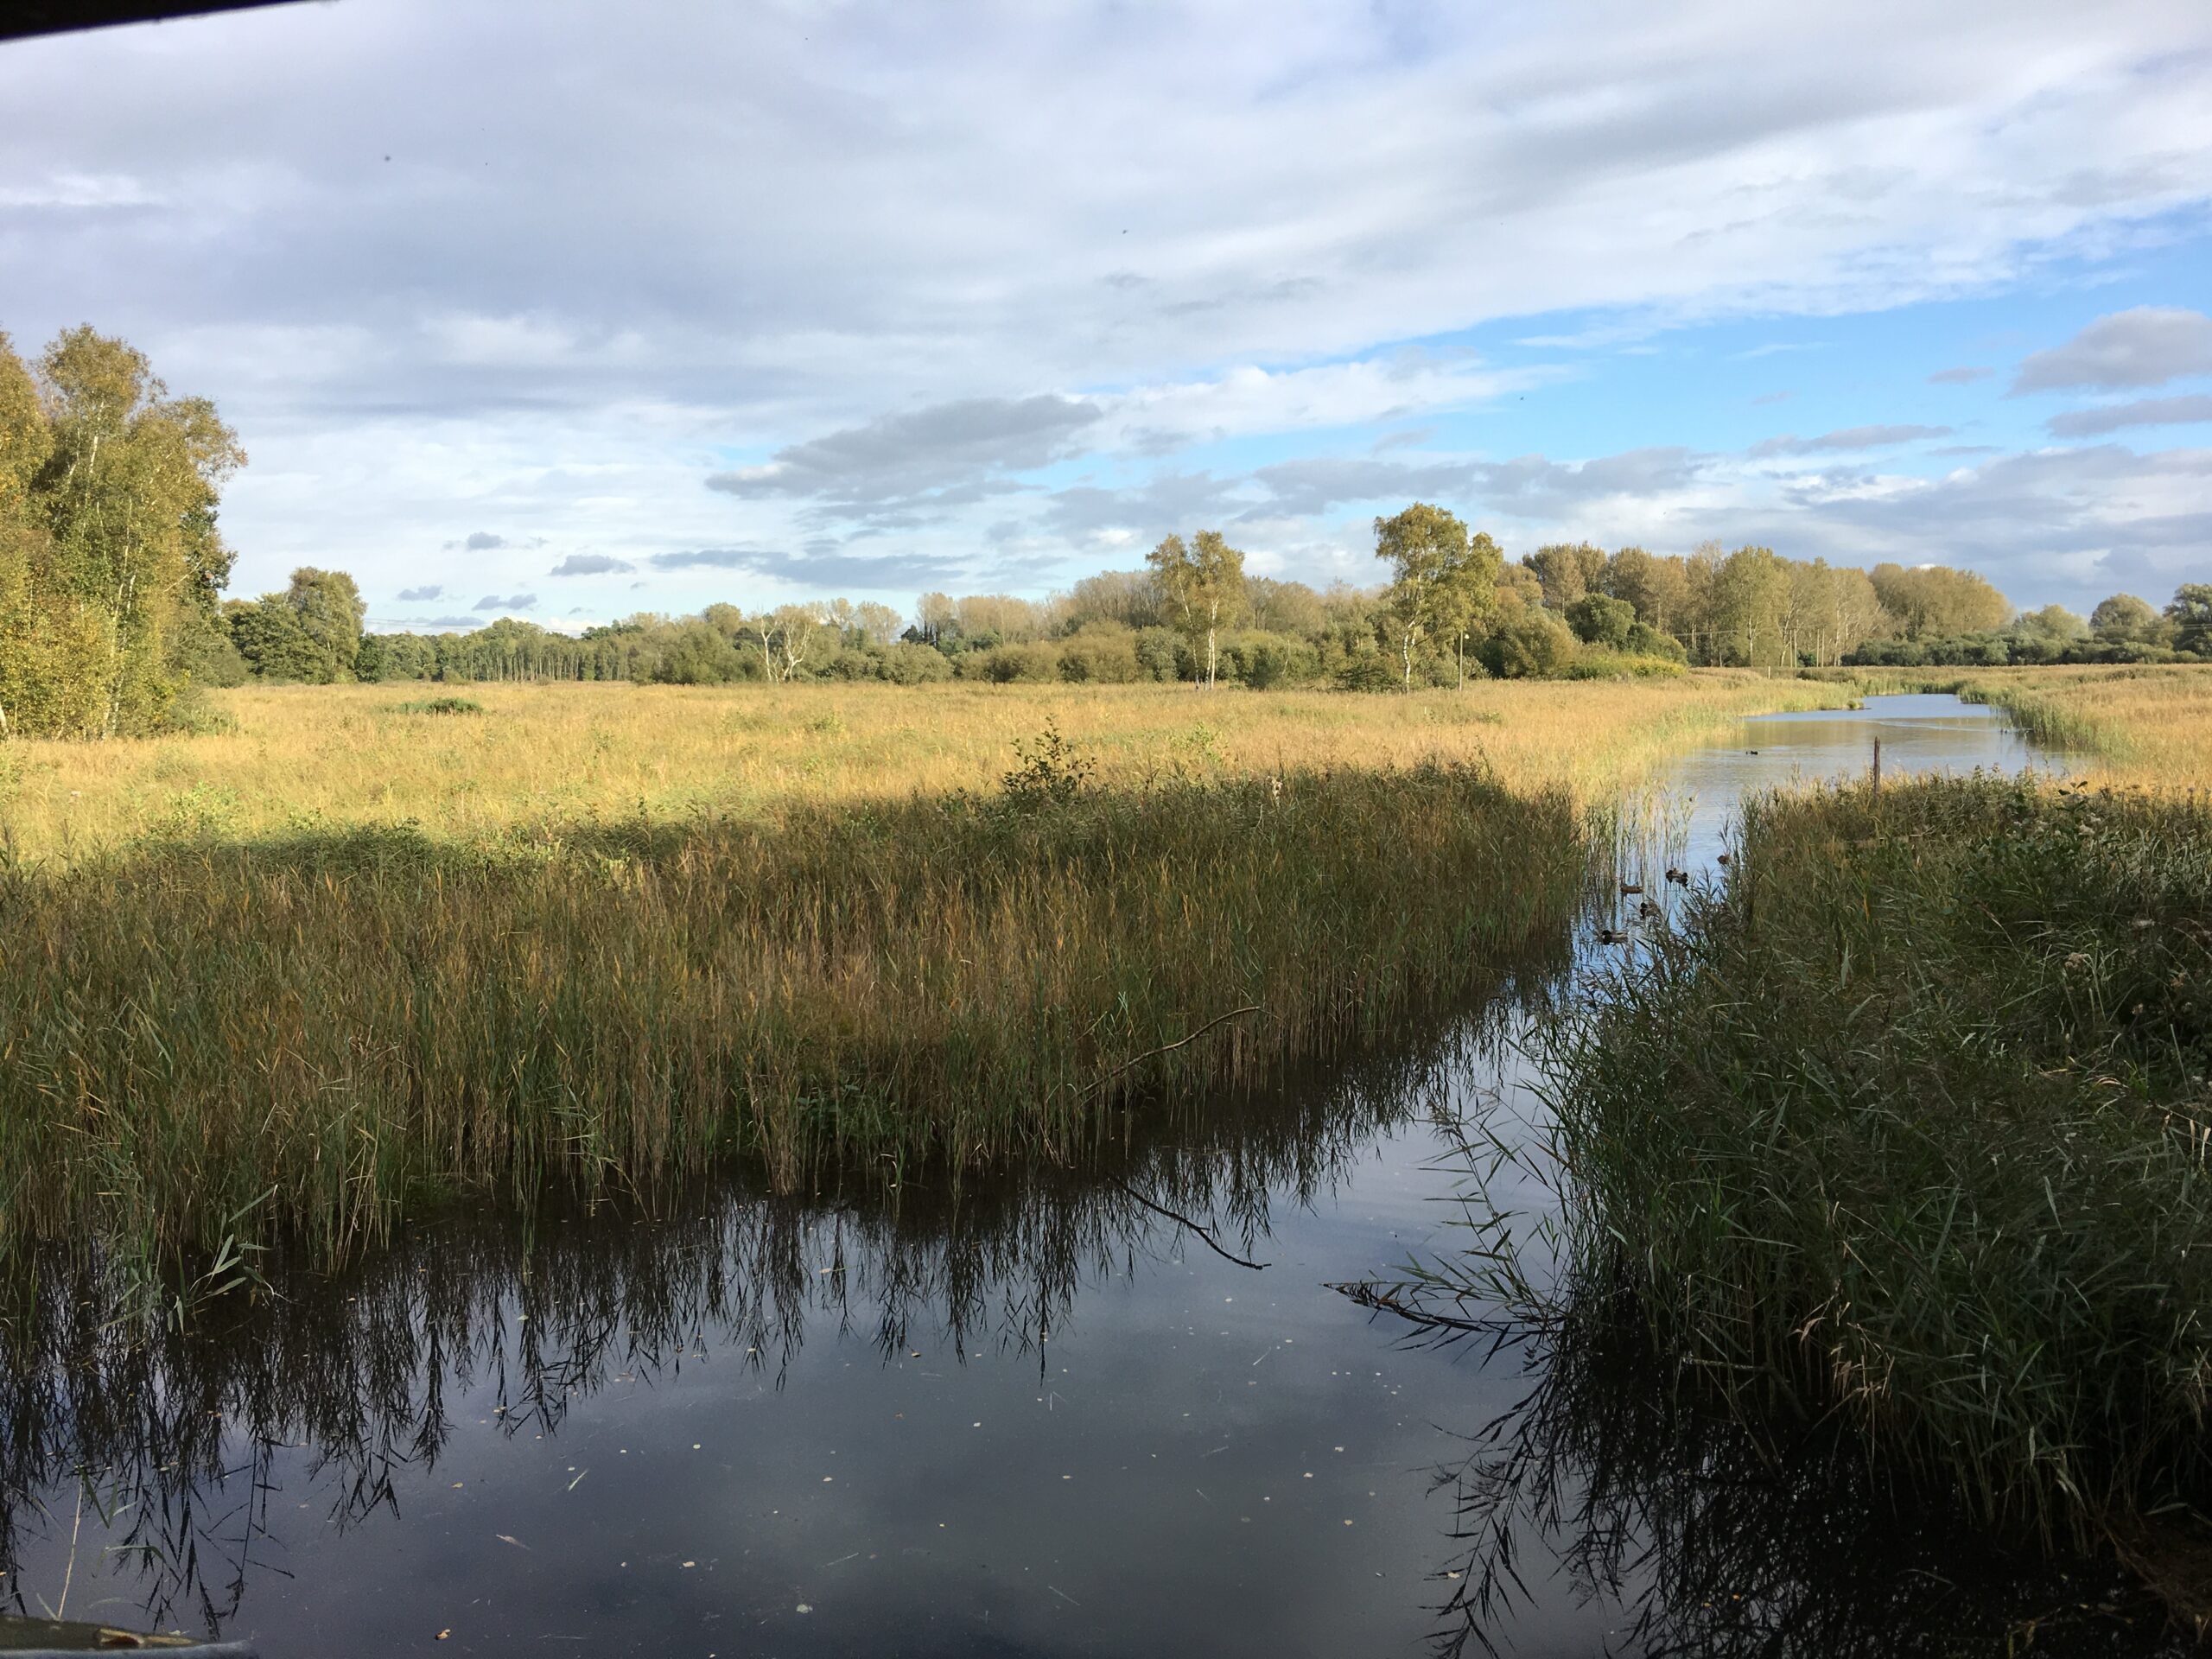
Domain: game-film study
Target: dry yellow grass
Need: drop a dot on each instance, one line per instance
(303, 757)
(2144, 727)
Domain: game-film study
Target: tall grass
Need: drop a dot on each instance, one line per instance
(1909, 1131)
(208, 1040)
(2147, 725)
(326, 757)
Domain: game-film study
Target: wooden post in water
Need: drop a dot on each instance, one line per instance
(1877, 768)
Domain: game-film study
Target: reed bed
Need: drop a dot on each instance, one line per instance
(2148, 726)
(1908, 1131)
(287, 758)
(203, 1042)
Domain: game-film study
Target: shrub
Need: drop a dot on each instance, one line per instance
(1530, 644)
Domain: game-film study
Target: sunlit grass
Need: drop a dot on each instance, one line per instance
(307, 756)
(2149, 725)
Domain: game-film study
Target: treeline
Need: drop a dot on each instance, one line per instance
(1453, 609)
(111, 572)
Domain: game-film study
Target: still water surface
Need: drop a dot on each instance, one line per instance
(1042, 1420)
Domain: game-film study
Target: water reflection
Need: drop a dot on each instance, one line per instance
(1705, 1543)
(182, 1454)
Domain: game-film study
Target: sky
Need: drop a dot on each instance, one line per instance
(566, 310)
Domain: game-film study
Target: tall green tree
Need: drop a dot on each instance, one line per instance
(1443, 582)
(2190, 615)
(109, 555)
(1204, 585)
(2126, 620)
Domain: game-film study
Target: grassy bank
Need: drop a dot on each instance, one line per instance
(1909, 1130)
(305, 759)
(307, 1031)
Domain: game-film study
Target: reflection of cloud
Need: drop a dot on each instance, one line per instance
(2146, 347)
(590, 564)
(1849, 438)
(2144, 411)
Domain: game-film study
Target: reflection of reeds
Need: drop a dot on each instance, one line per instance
(1703, 1538)
(160, 1422)
(303, 1032)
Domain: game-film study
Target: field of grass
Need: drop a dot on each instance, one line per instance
(1908, 1130)
(303, 759)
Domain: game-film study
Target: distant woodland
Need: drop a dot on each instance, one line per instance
(112, 572)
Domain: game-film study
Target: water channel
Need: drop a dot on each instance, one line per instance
(1055, 1420)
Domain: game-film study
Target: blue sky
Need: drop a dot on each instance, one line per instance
(520, 311)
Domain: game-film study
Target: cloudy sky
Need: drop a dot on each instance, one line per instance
(566, 309)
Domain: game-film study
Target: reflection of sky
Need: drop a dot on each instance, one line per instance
(1918, 733)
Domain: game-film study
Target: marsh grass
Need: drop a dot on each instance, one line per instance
(343, 756)
(303, 1034)
(2146, 726)
(1908, 1131)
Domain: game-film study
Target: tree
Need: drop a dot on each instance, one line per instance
(1936, 602)
(1599, 620)
(787, 637)
(1203, 584)
(2054, 622)
(933, 614)
(108, 552)
(1659, 589)
(1749, 604)
(877, 624)
(2190, 615)
(2123, 619)
(1444, 582)
(330, 611)
(1567, 571)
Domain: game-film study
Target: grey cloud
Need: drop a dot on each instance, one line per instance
(828, 568)
(590, 564)
(900, 467)
(1167, 501)
(441, 623)
(511, 602)
(2144, 411)
(1534, 484)
(1766, 398)
(1965, 375)
(417, 595)
(1315, 486)
(2146, 347)
(1848, 438)
(483, 541)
